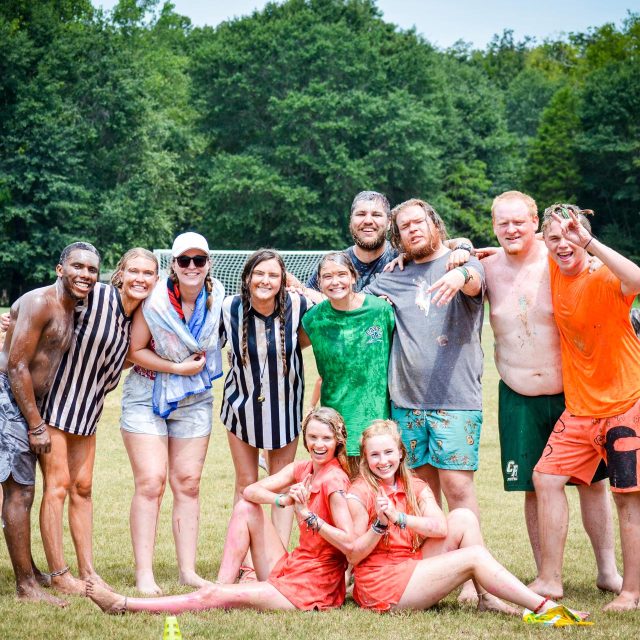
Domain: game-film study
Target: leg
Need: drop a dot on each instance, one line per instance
(459, 490)
(434, 578)
(463, 530)
(250, 528)
(553, 522)
(531, 520)
(186, 459)
(430, 475)
(282, 518)
(628, 505)
(56, 481)
(148, 458)
(595, 506)
(257, 595)
(16, 512)
(245, 463)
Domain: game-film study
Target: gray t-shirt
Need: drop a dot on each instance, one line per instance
(436, 356)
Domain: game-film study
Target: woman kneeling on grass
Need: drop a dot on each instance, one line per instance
(312, 576)
(407, 553)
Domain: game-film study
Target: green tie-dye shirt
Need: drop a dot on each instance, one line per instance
(352, 354)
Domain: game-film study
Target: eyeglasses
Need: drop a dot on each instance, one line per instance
(185, 261)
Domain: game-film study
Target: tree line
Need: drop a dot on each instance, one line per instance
(124, 128)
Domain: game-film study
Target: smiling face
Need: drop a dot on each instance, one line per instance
(336, 281)
(570, 258)
(265, 281)
(138, 276)
(514, 226)
(383, 457)
(320, 441)
(369, 224)
(79, 273)
(192, 275)
(418, 234)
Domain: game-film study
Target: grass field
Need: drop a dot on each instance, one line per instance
(502, 524)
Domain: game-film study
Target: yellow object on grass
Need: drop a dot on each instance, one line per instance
(171, 629)
(558, 616)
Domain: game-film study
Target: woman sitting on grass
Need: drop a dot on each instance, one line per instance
(312, 576)
(407, 553)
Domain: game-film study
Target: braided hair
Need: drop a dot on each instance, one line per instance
(208, 282)
(259, 256)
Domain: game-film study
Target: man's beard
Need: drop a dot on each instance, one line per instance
(369, 245)
(418, 253)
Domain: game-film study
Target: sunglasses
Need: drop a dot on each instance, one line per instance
(185, 261)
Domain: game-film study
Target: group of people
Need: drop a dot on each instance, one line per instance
(395, 328)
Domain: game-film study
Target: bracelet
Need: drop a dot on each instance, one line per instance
(378, 527)
(59, 572)
(401, 521)
(465, 273)
(313, 522)
(39, 430)
(588, 243)
(279, 497)
(465, 246)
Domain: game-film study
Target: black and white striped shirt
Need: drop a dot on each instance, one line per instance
(92, 366)
(274, 422)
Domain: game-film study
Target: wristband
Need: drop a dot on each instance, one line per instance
(588, 243)
(465, 273)
(401, 521)
(378, 527)
(465, 246)
(277, 500)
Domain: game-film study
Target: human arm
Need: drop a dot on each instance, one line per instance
(365, 538)
(30, 323)
(340, 535)
(461, 251)
(5, 321)
(273, 487)
(465, 279)
(430, 523)
(303, 338)
(141, 354)
(626, 271)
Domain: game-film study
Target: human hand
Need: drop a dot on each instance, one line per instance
(485, 252)
(39, 442)
(5, 321)
(447, 287)
(594, 263)
(396, 262)
(300, 493)
(572, 229)
(191, 366)
(292, 281)
(382, 504)
(457, 258)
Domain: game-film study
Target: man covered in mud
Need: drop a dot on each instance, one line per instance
(40, 332)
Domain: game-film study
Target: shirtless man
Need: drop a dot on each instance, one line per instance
(527, 356)
(41, 330)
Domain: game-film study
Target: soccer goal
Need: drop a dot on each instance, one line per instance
(226, 266)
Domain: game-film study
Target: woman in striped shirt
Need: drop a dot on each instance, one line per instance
(264, 389)
(88, 371)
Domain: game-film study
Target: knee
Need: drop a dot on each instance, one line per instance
(56, 487)
(545, 482)
(457, 489)
(81, 490)
(243, 480)
(246, 510)
(462, 519)
(185, 485)
(17, 497)
(150, 487)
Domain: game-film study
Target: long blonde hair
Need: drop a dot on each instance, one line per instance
(136, 252)
(390, 428)
(332, 419)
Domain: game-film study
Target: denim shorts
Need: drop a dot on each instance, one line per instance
(442, 438)
(192, 418)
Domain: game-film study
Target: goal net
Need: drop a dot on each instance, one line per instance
(226, 266)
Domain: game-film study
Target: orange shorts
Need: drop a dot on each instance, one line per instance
(577, 444)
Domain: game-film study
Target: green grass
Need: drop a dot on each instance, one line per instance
(502, 524)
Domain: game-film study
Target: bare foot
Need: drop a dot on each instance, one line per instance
(468, 596)
(68, 585)
(96, 579)
(489, 602)
(32, 592)
(146, 585)
(192, 579)
(626, 601)
(612, 584)
(551, 590)
(43, 579)
(110, 602)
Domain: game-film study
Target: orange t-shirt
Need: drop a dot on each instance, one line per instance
(600, 351)
(312, 575)
(382, 577)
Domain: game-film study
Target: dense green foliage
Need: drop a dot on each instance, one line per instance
(125, 128)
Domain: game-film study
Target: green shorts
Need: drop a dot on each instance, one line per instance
(445, 439)
(525, 424)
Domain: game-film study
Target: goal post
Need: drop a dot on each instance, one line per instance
(227, 266)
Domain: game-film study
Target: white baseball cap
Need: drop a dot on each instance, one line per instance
(189, 240)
